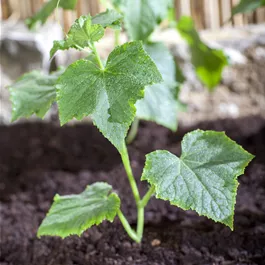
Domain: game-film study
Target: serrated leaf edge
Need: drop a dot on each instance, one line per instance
(229, 224)
(88, 224)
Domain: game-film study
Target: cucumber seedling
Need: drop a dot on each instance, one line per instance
(203, 178)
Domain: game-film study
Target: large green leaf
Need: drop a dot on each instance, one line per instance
(86, 30)
(204, 178)
(33, 92)
(246, 6)
(142, 16)
(73, 214)
(209, 63)
(160, 103)
(42, 15)
(108, 94)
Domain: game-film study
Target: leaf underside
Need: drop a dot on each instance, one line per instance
(204, 178)
(209, 63)
(107, 94)
(73, 214)
(33, 93)
(160, 103)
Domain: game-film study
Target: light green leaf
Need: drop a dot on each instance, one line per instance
(109, 18)
(42, 15)
(160, 103)
(73, 214)
(33, 92)
(246, 6)
(81, 34)
(61, 45)
(107, 94)
(86, 30)
(209, 63)
(204, 178)
(142, 16)
(68, 4)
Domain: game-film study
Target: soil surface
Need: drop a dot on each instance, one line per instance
(38, 160)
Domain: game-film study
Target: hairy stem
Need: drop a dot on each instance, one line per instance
(117, 37)
(140, 203)
(94, 49)
(147, 196)
(128, 169)
(132, 234)
(133, 131)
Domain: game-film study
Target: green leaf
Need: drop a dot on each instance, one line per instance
(160, 103)
(246, 6)
(61, 45)
(204, 178)
(142, 16)
(109, 18)
(81, 34)
(73, 214)
(86, 30)
(42, 15)
(33, 92)
(107, 94)
(209, 63)
(68, 4)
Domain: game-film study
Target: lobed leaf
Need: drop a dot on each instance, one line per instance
(209, 63)
(33, 93)
(86, 30)
(160, 103)
(107, 94)
(73, 214)
(204, 178)
(142, 16)
(245, 6)
(42, 15)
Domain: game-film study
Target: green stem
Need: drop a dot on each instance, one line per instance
(128, 169)
(117, 37)
(94, 49)
(133, 131)
(140, 222)
(140, 206)
(128, 228)
(136, 236)
(147, 196)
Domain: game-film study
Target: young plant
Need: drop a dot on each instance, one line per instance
(203, 178)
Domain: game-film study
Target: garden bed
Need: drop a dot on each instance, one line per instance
(38, 160)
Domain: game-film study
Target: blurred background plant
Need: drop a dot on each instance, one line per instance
(242, 37)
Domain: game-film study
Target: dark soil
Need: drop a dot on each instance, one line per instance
(39, 160)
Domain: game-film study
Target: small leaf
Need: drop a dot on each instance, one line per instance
(246, 6)
(73, 214)
(41, 16)
(81, 34)
(87, 29)
(33, 92)
(204, 178)
(209, 63)
(60, 45)
(160, 103)
(109, 18)
(142, 16)
(108, 95)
